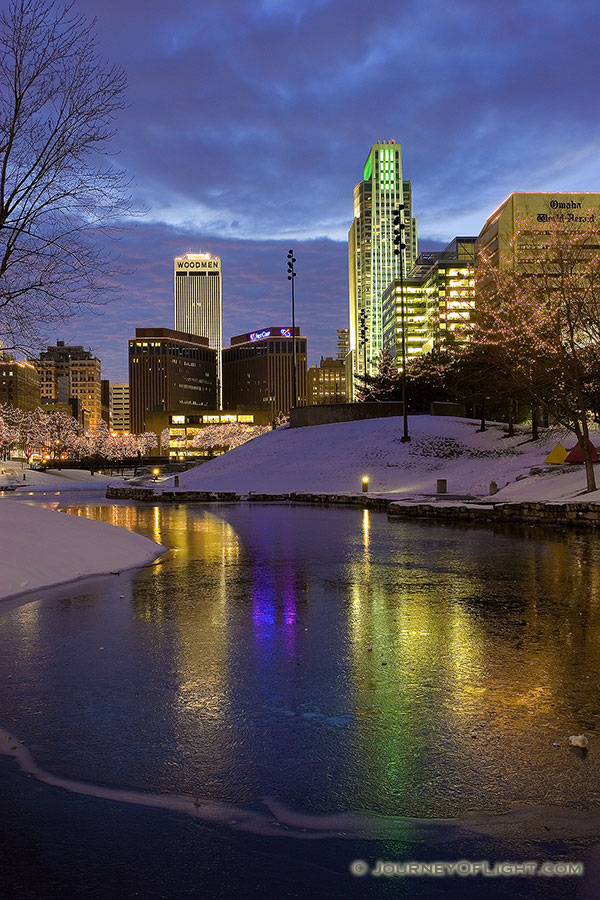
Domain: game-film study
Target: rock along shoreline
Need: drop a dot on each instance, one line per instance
(574, 514)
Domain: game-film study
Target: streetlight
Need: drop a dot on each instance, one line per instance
(400, 246)
(291, 276)
(363, 337)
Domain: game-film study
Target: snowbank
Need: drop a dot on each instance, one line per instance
(11, 476)
(333, 458)
(40, 547)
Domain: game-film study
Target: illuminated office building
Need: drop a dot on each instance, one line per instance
(257, 370)
(199, 302)
(523, 210)
(70, 373)
(170, 372)
(326, 383)
(19, 383)
(372, 262)
(439, 297)
(343, 343)
(119, 407)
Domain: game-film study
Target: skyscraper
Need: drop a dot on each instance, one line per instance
(343, 343)
(119, 407)
(372, 262)
(437, 298)
(71, 373)
(199, 302)
(169, 372)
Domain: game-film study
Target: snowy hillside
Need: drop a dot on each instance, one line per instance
(333, 458)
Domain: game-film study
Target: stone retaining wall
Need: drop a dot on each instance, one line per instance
(149, 495)
(587, 514)
(563, 514)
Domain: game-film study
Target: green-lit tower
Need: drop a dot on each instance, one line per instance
(372, 263)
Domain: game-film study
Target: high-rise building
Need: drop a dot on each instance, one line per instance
(521, 210)
(119, 406)
(438, 297)
(19, 383)
(326, 383)
(171, 372)
(257, 370)
(343, 343)
(105, 399)
(199, 302)
(70, 372)
(372, 262)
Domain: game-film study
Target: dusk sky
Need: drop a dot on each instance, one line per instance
(249, 124)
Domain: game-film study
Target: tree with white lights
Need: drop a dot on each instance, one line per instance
(227, 436)
(538, 319)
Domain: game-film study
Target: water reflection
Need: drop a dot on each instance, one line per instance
(326, 657)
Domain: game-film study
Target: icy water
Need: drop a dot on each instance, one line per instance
(281, 665)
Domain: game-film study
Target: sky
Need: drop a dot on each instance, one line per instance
(249, 121)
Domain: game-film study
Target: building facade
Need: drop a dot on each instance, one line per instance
(326, 383)
(523, 212)
(372, 262)
(199, 301)
(119, 407)
(105, 399)
(70, 372)
(342, 346)
(169, 371)
(19, 384)
(257, 370)
(178, 442)
(439, 299)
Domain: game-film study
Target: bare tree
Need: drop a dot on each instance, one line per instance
(58, 104)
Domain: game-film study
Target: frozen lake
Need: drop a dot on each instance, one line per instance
(281, 665)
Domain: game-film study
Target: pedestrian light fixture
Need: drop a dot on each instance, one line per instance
(155, 472)
(365, 483)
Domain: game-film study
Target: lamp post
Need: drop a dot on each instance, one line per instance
(291, 276)
(400, 246)
(363, 337)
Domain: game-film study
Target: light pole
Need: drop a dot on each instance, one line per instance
(291, 276)
(363, 336)
(400, 246)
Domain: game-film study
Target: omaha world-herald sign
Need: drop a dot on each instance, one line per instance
(521, 211)
(583, 209)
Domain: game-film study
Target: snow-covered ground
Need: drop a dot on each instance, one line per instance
(333, 458)
(12, 472)
(41, 547)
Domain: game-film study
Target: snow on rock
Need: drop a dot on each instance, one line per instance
(41, 547)
(333, 459)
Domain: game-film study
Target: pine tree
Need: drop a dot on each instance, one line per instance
(385, 385)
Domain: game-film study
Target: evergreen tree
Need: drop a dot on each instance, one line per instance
(385, 385)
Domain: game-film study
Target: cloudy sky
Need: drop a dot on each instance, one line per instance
(250, 120)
